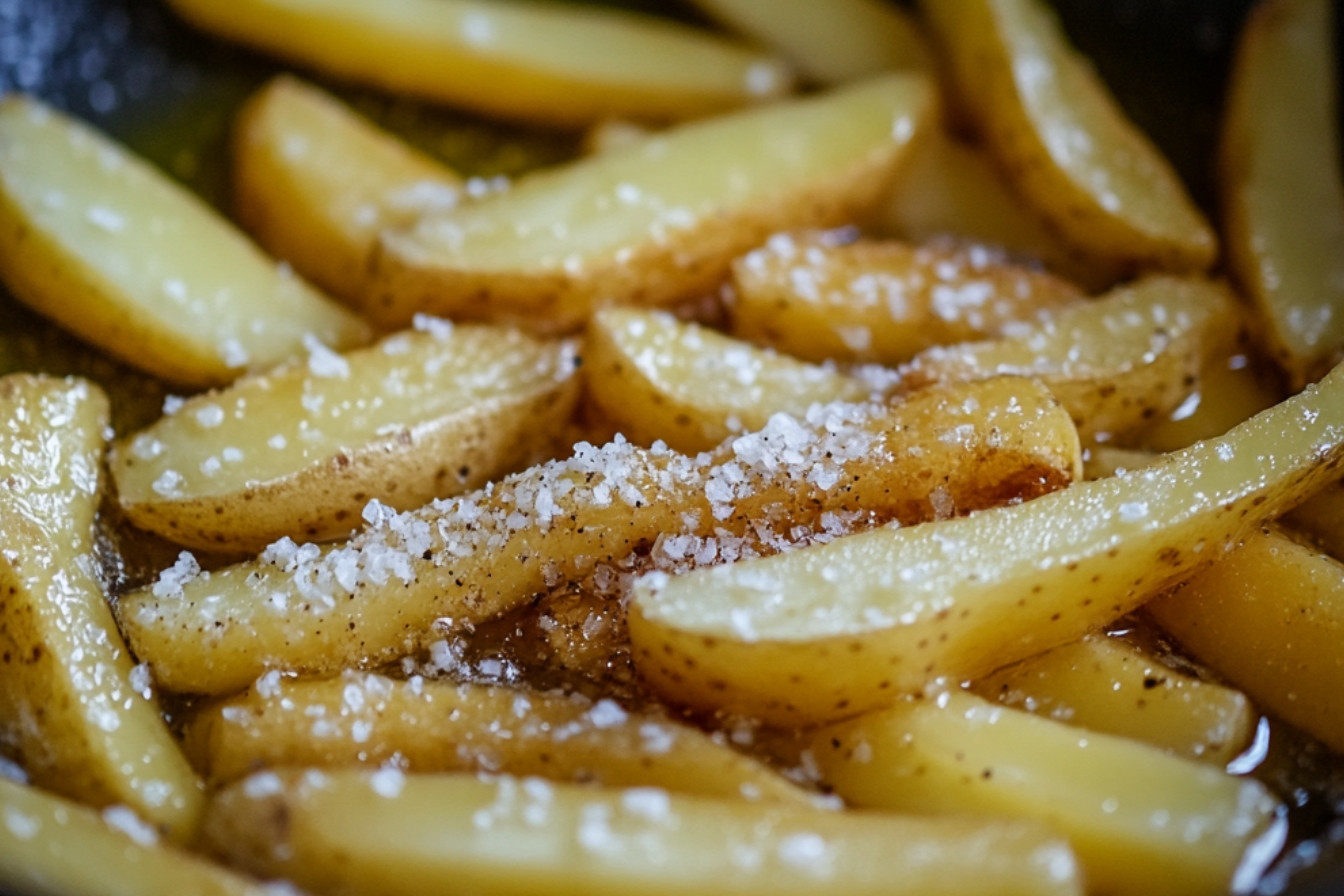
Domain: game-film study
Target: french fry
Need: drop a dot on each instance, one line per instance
(832, 630)
(655, 223)
(92, 237)
(74, 708)
(1142, 822)
(1062, 140)
(300, 450)
(386, 832)
(312, 609)
(655, 377)
(1283, 198)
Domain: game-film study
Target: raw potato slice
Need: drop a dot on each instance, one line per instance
(823, 296)
(1283, 198)
(1269, 617)
(381, 594)
(831, 630)
(655, 223)
(655, 377)
(128, 260)
(390, 833)
(844, 40)
(1107, 684)
(314, 183)
(438, 726)
(1062, 140)
(547, 63)
(75, 711)
(51, 845)
(1118, 363)
(1143, 823)
(301, 450)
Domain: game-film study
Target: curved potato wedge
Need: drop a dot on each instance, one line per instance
(93, 238)
(832, 630)
(1063, 141)
(654, 377)
(541, 62)
(1283, 197)
(301, 450)
(391, 833)
(306, 608)
(655, 223)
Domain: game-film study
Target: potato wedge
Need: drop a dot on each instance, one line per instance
(74, 709)
(843, 41)
(1283, 199)
(51, 845)
(470, 558)
(828, 296)
(1117, 363)
(831, 630)
(1143, 823)
(655, 377)
(1321, 519)
(655, 223)
(93, 238)
(314, 183)
(1110, 685)
(386, 832)
(546, 63)
(1231, 389)
(301, 450)
(1269, 616)
(1063, 141)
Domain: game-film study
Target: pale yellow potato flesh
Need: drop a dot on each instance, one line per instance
(386, 832)
(1118, 363)
(829, 296)
(51, 845)
(844, 40)
(314, 182)
(1269, 617)
(1062, 140)
(300, 451)
(93, 238)
(653, 377)
(1231, 389)
(831, 630)
(74, 710)
(1110, 685)
(1143, 823)
(1283, 199)
(546, 63)
(658, 222)
(428, 725)
(378, 596)
(1321, 519)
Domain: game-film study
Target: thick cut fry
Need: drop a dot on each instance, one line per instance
(128, 260)
(831, 630)
(470, 558)
(1063, 141)
(438, 726)
(1117, 363)
(314, 183)
(827, 296)
(1107, 684)
(1142, 822)
(74, 709)
(49, 845)
(655, 377)
(386, 832)
(1269, 617)
(1283, 196)
(655, 223)
(844, 40)
(299, 451)
(548, 63)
